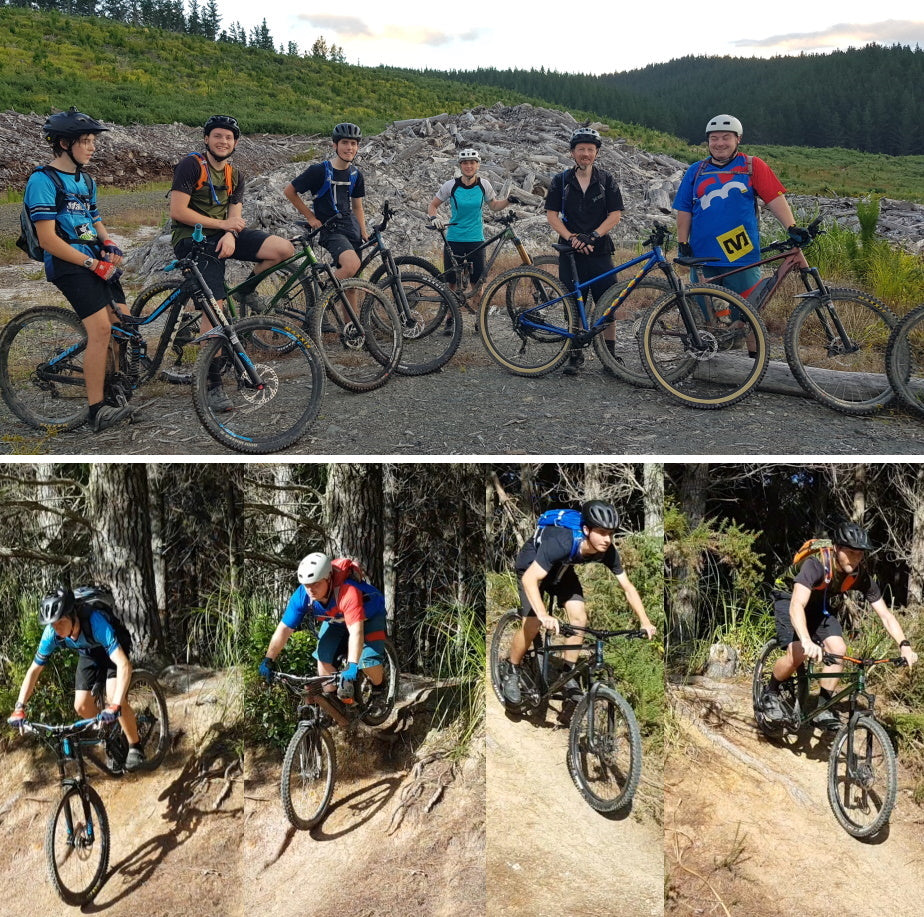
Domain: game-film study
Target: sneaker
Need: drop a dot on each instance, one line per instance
(449, 328)
(115, 765)
(772, 707)
(134, 759)
(575, 362)
(108, 416)
(827, 720)
(347, 691)
(511, 686)
(219, 401)
(571, 691)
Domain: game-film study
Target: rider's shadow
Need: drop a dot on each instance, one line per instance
(353, 811)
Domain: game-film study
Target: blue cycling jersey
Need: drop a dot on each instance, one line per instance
(99, 635)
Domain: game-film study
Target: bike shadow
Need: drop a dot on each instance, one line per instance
(360, 807)
(188, 806)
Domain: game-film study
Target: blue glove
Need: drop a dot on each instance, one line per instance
(111, 248)
(798, 235)
(267, 670)
(684, 249)
(110, 714)
(350, 672)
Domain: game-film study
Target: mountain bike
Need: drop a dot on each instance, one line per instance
(309, 766)
(270, 396)
(460, 270)
(836, 339)
(862, 773)
(425, 306)
(358, 354)
(687, 339)
(905, 360)
(604, 741)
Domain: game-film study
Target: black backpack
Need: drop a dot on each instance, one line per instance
(28, 238)
(88, 599)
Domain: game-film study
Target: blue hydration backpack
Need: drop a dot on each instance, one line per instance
(28, 237)
(328, 186)
(566, 519)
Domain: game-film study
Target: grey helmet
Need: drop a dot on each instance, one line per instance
(346, 131)
(598, 514)
(56, 606)
(313, 568)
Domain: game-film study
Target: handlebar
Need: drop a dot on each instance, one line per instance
(897, 661)
(297, 682)
(660, 237)
(785, 245)
(570, 630)
(69, 729)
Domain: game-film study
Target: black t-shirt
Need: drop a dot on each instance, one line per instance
(314, 178)
(812, 574)
(554, 551)
(584, 211)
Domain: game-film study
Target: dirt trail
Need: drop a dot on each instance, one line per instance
(430, 865)
(549, 853)
(749, 831)
(175, 832)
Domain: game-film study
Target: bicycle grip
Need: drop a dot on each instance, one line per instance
(171, 266)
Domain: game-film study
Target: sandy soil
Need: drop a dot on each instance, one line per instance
(749, 830)
(549, 853)
(175, 832)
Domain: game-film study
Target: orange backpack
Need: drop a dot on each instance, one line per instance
(823, 549)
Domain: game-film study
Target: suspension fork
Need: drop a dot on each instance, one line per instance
(828, 316)
(397, 288)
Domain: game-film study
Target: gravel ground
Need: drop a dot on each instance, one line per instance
(473, 407)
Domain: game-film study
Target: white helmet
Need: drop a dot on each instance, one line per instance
(313, 568)
(725, 123)
(465, 155)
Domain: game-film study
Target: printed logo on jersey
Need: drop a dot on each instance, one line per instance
(736, 243)
(722, 192)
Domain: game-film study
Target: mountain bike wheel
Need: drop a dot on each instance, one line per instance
(262, 420)
(547, 263)
(605, 750)
(411, 264)
(793, 691)
(146, 698)
(377, 707)
(905, 361)
(846, 375)
(717, 371)
(41, 368)
(530, 670)
(624, 360)
(309, 769)
(358, 357)
(77, 845)
(265, 297)
(176, 366)
(433, 330)
(862, 796)
(509, 314)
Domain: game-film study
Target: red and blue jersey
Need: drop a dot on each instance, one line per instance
(723, 204)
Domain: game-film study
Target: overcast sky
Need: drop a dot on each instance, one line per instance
(589, 38)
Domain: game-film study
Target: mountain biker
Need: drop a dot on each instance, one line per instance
(582, 205)
(207, 190)
(467, 195)
(545, 566)
(351, 614)
(807, 624)
(80, 258)
(337, 189)
(103, 650)
(716, 206)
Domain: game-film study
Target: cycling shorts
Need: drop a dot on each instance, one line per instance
(85, 292)
(333, 641)
(337, 243)
(246, 248)
(94, 669)
(462, 250)
(820, 626)
(566, 588)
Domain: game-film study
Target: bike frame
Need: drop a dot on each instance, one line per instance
(308, 689)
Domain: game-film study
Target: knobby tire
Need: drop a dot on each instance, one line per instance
(309, 770)
(77, 860)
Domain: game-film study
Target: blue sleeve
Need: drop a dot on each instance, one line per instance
(40, 197)
(683, 200)
(299, 604)
(103, 633)
(47, 645)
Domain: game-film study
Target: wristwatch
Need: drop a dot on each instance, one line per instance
(904, 643)
(88, 264)
(595, 235)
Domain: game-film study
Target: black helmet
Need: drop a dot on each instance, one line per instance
(850, 535)
(347, 131)
(225, 121)
(71, 124)
(585, 135)
(598, 514)
(56, 606)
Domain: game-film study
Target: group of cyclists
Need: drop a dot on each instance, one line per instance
(716, 207)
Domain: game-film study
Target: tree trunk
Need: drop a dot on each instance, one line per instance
(353, 514)
(916, 561)
(654, 499)
(685, 595)
(117, 496)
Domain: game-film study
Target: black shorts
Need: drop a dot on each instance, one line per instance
(337, 243)
(94, 669)
(588, 267)
(460, 250)
(246, 248)
(564, 589)
(86, 292)
(820, 626)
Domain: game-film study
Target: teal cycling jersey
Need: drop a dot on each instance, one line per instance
(99, 635)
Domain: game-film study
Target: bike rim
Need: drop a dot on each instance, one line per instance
(603, 749)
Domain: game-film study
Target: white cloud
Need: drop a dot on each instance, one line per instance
(888, 32)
